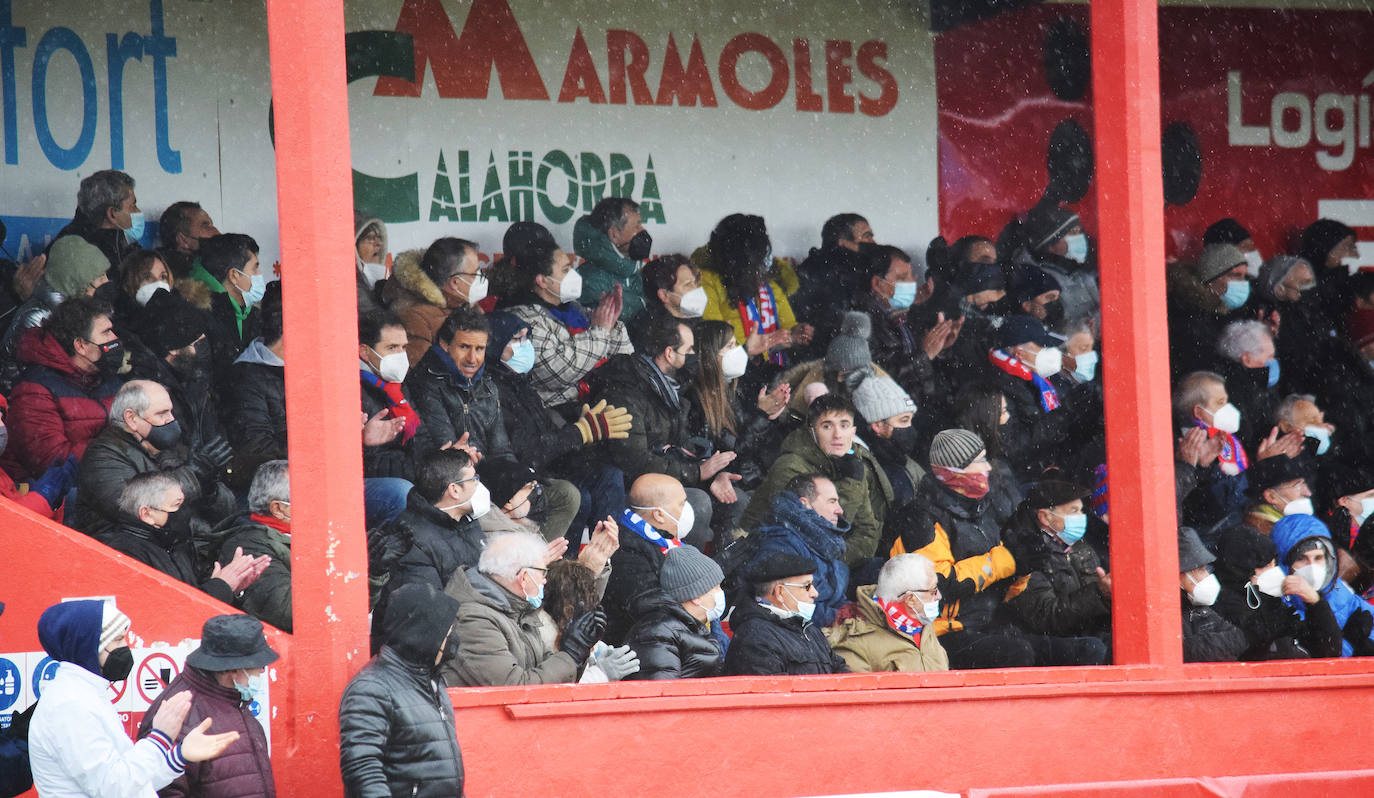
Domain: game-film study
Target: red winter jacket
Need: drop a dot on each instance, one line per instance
(55, 409)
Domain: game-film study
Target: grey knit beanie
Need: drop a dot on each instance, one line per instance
(73, 264)
(688, 574)
(1218, 259)
(849, 349)
(955, 448)
(880, 398)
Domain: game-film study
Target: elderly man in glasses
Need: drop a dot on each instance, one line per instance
(774, 633)
(885, 629)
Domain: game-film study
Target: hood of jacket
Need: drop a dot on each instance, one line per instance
(1182, 284)
(406, 275)
(594, 245)
(36, 346)
(257, 352)
(477, 586)
(417, 620)
(820, 535)
(70, 632)
(195, 292)
(360, 223)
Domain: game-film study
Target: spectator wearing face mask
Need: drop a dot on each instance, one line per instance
(830, 275)
(1207, 636)
(1202, 297)
(74, 268)
(672, 286)
(177, 357)
(1036, 294)
(1056, 243)
(373, 260)
(392, 420)
(229, 267)
(807, 520)
(974, 295)
(677, 634)
(425, 288)
(1305, 549)
(265, 532)
(108, 216)
(77, 743)
(889, 415)
(441, 518)
(655, 521)
(1278, 487)
(1230, 231)
(70, 377)
(612, 242)
(773, 627)
(1080, 354)
(885, 629)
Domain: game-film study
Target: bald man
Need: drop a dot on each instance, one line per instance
(658, 517)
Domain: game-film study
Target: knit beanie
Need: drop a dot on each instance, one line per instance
(1191, 553)
(974, 277)
(114, 624)
(1218, 259)
(175, 324)
(849, 349)
(504, 326)
(1319, 239)
(688, 574)
(880, 398)
(1275, 269)
(73, 264)
(1032, 281)
(1360, 327)
(955, 448)
(1225, 231)
(1046, 224)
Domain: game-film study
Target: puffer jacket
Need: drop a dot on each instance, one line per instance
(869, 644)
(111, 460)
(795, 529)
(635, 567)
(604, 268)
(397, 736)
(829, 277)
(440, 545)
(765, 644)
(54, 410)
(244, 770)
(1055, 592)
(963, 538)
(417, 300)
(535, 433)
(168, 551)
(671, 644)
(1207, 636)
(450, 405)
(660, 429)
(29, 315)
(257, 411)
(1288, 535)
(269, 597)
(499, 639)
(863, 500)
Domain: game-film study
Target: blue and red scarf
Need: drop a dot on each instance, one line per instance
(1232, 459)
(761, 316)
(899, 619)
(639, 526)
(1049, 397)
(572, 318)
(396, 402)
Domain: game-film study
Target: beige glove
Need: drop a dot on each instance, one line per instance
(603, 422)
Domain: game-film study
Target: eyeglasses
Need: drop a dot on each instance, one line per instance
(473, 478)
(806, 586)
(934, 590)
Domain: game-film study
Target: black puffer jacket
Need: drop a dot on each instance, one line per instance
(660, 427)
(535, 434)
(397, 735)
(671, 644)
(441, 544)
(193, 400)
(1033, 439)
(391, 459)
(1207, 636)
(634, 579)
(167, 551)
(256, 415)
(767, 645)
(1249, 391)
(755, 441)
(1055, 592)
(449, 407)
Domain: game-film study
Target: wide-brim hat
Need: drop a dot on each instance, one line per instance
(230, 643)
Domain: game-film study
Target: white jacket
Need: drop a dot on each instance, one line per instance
(77, 746)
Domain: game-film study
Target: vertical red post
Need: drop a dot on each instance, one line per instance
(1130, 202)
(315, 211)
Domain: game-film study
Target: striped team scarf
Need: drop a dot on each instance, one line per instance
(899, 619)
(640, 527)
(761, 316)
(1049, 397)
(1232, 458)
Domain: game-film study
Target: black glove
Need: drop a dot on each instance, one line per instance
(210, 458)
(581, 634)
(1356, 632)
(850, 466)
(19, 724)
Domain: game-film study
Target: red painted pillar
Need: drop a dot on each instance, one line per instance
(315, 211)
(1130, 202)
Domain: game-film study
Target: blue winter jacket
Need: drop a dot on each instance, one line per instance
(799, 530)
(1293, 530)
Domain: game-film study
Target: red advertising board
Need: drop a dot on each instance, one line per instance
(1266, 117)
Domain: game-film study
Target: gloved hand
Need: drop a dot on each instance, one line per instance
(1356, 631)
(603, 422)
(56, 481)
(850, 466)
(617, 663)
(581, 634)
(210, 458)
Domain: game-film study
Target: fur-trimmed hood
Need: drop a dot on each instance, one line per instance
(408, 278)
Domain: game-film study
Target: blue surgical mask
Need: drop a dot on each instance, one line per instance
(1078, 247)
(257, 685)
(521, 359)
(1323, 436)
(537, 599)
(805, 610)
(135, 231)
(1074, 528)
(1237, 291)
(903, 294)
(1085, 366)
(256, 290)
(1273, 365)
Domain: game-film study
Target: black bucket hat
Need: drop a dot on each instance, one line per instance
(230, 643)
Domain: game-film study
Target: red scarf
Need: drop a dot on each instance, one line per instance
(1049, 397)
(272, 521)
(974, 486)
(761, 316)
(1231, 459)
(396, 403)
(899, 619)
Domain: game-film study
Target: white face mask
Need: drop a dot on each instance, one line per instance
(571, 287)
(1270, 582)
(393, 367)
(684, 522)
(146, 291)
(1049, 361)
(1205, 592)
(930, 610)
(1253, 262)
(1352, 265)
(1366, 508)
(481, 501)
(1301, 506)
(374, 272)
(1314, 574)
(734, 363)
(715, 612)
(477, 290)
(1227, 419)
(693, 303)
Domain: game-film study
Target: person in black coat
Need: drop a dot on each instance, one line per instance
(1246, 361)
(657, 517)
(441, 519)
(255, 415)
(1207, 636)
(397, 734)
(392, 420)
(1253, 589)
(677, 635)
(831, 274)
(774, 634)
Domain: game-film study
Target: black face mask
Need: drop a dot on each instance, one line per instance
(111, 357)
(164, 437)
(118, 665)
(904, 438)
(640, 246)
(1054, 314)
(687, 371)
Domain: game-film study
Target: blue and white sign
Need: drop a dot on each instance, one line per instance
(11, 683)
(44, 673)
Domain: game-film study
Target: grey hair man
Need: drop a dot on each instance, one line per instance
(888, 633)
(265, 531)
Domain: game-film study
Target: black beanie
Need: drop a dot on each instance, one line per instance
(175, 323)
(1225, 231)
(1240, 550)
(1319, 239)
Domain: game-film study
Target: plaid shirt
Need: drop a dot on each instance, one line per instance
(562, 359)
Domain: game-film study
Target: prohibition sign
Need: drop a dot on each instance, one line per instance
(154, 674)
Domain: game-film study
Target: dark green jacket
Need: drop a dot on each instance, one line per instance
(605, 267)
(269, 597)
